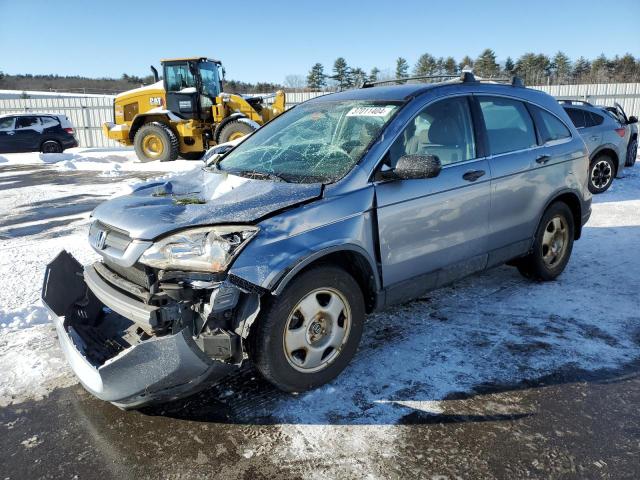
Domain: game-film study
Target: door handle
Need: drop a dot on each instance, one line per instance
(11, 133)
(473, 175)
(542, 159)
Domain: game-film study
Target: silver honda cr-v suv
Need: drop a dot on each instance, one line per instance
(345, 204)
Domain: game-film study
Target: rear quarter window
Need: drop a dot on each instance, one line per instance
(593, 119)
(550, 127)
(48, 122)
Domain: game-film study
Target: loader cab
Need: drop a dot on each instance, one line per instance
(192, 85)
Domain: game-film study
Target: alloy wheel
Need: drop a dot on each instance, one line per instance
(317, 329)
(554, 241)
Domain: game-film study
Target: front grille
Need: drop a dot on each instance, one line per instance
(102, 236)
(136, 274)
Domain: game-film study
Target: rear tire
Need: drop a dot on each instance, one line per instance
(552, 245)
(192, 155)
(51, 146)
(632, 153)
(297, 351)
(234, 130)
(602, 171)
(156, 141)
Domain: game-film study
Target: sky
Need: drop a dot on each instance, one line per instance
(268, 40)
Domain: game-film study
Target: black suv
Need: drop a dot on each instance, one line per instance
(47, 133)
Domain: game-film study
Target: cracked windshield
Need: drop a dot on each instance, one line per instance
(311, 143)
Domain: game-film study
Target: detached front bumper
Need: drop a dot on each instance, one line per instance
(154, 370)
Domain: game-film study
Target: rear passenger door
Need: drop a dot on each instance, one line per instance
(513, 149)
(28, 133)
(587, 127)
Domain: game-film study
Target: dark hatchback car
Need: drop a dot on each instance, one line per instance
(41, 132)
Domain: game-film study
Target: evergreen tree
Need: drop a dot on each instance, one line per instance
(341, 73)
(358, 76)
(316, 79)
(600, 69)
(509, 66)
(426, 65)
(581, 69)
(402, 68)
(373, 76)
(450, 66)
(466, 62)
(486, 65)
(625, 69)
(561, 66)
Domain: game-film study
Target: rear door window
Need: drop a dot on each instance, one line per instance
(550, 127)
(509, 125)
(27, 122)
(577, 117)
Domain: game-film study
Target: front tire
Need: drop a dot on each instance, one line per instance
(307, 335)
(156, 141)
(602, 170)
(552, 245)
(234, 130)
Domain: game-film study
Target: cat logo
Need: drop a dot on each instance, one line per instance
(155, 100)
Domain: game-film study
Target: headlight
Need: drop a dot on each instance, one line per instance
(208, 249)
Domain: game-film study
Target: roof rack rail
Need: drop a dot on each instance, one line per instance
(572, 101)
(464, 77)
(402, 80)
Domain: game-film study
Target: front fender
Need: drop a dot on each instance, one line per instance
(291, 240)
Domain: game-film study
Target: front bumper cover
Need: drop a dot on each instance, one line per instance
(155, 370)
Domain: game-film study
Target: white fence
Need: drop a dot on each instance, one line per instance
(89, 113)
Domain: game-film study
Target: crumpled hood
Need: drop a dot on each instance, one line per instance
(199, 198)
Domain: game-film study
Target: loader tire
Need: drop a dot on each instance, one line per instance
(234, 130)
(192, 155)
(156, 141)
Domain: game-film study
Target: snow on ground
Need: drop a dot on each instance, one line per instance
(45, 208)
(110, 161)
(419, 358)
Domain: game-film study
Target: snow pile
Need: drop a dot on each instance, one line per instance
(111, 162)
(23, 318)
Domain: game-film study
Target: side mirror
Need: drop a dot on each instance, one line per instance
(215, 153)
(632, 119)
(411, 167)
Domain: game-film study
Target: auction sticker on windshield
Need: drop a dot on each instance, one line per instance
(369, 111)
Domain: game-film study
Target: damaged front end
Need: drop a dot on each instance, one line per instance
(141, 335)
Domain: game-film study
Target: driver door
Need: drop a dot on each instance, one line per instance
(435, 230)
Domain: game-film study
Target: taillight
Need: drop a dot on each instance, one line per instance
(620, 132)
(69, 130)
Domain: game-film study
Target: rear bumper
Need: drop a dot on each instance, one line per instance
(158, 369)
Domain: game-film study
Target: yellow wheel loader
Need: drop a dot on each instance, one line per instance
(186, 112)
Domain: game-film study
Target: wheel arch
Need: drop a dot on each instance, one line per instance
(220, 126)
(572, 200)
(606, 149)
(352, 258)
(50, 139)
(143, 119)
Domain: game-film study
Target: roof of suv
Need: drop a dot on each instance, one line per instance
(404, 92)
(32, 114)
